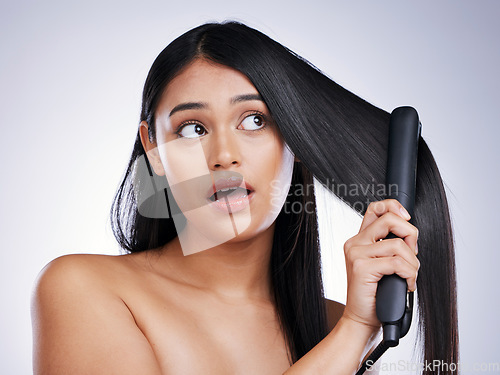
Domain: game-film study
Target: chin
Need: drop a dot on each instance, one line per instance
(205, 230)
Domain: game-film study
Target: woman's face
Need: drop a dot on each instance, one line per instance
(226, 164)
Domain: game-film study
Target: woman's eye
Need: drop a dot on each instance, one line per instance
(253, 122)
(191, 131)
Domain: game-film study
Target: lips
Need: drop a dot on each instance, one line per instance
(229, 188)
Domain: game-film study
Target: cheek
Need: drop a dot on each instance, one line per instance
(183, 161)
(186, 170)
(276, 174)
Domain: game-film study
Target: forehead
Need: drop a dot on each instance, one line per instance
(205, 81)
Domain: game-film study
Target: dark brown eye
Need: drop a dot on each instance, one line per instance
(192, 131)
(198, 129)
(253, 122)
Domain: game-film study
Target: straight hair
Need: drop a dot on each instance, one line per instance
(340, 139)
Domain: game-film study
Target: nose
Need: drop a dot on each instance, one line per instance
(224, 151)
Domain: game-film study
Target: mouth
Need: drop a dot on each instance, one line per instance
(227, 193)
(230, 188)
(230, 194)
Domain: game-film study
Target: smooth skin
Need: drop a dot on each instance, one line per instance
(211, 312)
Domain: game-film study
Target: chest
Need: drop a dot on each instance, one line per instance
(200, 335)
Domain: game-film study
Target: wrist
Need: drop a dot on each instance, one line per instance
(340, 352)
(360, 328)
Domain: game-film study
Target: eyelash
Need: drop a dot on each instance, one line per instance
(264, 119)
(195, 122)
(184, 124)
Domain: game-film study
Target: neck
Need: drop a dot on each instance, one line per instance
(234, 270)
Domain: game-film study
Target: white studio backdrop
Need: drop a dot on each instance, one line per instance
(71, 76)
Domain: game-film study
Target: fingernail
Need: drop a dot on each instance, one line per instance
(405, 213)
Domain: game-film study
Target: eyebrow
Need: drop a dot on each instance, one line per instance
(246, 97)
(202, 105)
(187, 106)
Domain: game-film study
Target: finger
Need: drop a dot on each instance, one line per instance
(379, 208)
(379, 267)
(388, 223)
(385, 248)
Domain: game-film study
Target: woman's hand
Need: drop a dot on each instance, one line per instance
(368, 258)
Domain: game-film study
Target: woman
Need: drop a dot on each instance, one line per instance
(222, 278)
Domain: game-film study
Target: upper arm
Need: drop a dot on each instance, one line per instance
(81, 327)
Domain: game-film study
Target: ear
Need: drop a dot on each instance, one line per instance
(151, 149)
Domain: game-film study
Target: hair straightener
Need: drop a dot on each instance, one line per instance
(394, 304)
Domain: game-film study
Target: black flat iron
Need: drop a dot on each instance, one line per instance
(394, 304)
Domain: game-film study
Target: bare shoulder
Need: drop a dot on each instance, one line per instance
(80, 323)
(77, 274)
(74, 266)
(334, 311)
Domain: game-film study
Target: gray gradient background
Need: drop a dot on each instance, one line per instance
(71, 77)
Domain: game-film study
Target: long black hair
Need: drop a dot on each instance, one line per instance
(340, 139)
